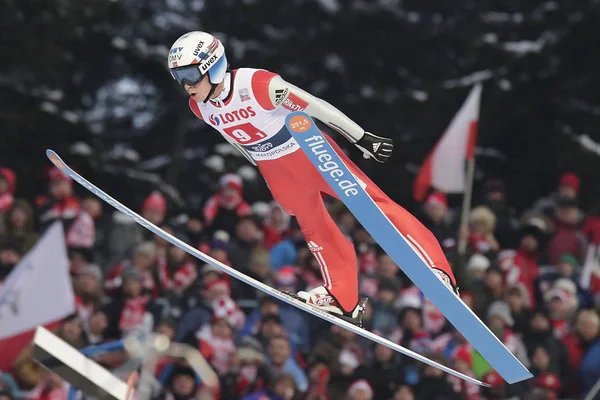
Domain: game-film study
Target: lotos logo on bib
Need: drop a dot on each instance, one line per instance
(234, 116)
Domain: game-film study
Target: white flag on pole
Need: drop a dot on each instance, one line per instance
(38, 291)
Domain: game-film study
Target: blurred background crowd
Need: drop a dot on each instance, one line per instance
(532, 276)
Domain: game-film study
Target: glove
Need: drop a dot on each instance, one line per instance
(376, 147)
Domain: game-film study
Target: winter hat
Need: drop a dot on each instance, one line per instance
(520, 289)
(260, 209)
(532, 230)
(485, 215)
(565, 290)
(571, 180)
(462, 353)
(478, 262)
(569, 259)
(231, 181)
(286, 276)
(221, 284)
(131, 272)
(206, 268)
(349, 358)
(225, 308)
(437, 198)
(146, 249)
(155, 201)
(220, 240)
(410, 301)
(363, 385)
(92, 270)
(501, 310)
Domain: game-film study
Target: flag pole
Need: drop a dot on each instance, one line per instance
(466, 206)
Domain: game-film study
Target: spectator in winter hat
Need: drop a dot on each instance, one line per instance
(562, 303)
(500, 323)
(10, 256)
(227, 206)
(8, 183)
(517, 298)
(463, 363)
(583, 347)
(437, 219)
(154, 208)
(219, 336)
(280, 359)
(88, 289)
(482, 223)
(522, 266)
(476, 267)
(567, 188)
(567, 268)
(360, 390)
(19, 225)
(59, 204)
(568, 237)
(143, 261)
(286, 279)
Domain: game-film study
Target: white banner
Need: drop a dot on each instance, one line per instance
(38, 290)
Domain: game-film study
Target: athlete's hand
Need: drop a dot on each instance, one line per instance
(376, 147)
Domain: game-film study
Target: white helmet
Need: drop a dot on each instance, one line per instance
(194, 55)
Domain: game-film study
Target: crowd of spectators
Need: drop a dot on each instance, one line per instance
(533, 276)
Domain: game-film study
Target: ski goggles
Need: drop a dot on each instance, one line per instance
(190, 74)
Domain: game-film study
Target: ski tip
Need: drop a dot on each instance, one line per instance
(55, 159)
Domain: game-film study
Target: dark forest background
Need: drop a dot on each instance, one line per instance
(88, 78)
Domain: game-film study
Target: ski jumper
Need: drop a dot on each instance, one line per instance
(252, 118)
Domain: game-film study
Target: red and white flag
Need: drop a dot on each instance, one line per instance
(37, 292)
(444, 168)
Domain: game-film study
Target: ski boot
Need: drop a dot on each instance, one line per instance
(320, 298)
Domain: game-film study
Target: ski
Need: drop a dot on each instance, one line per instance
(352, 193)
(57, 161)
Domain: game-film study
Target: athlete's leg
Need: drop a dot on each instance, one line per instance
(297, 194)
(422, 241)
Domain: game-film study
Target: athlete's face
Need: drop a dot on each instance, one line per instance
(200, 90)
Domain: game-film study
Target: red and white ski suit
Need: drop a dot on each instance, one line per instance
(252, 118)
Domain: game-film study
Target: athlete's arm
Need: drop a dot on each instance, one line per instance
(280, 93)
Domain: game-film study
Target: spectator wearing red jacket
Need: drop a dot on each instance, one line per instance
(568, 237)
(227, 206)
(523, 266)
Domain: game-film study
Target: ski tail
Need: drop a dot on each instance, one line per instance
(60, 164)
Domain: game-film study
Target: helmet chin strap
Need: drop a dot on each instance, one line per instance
(226, 88)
